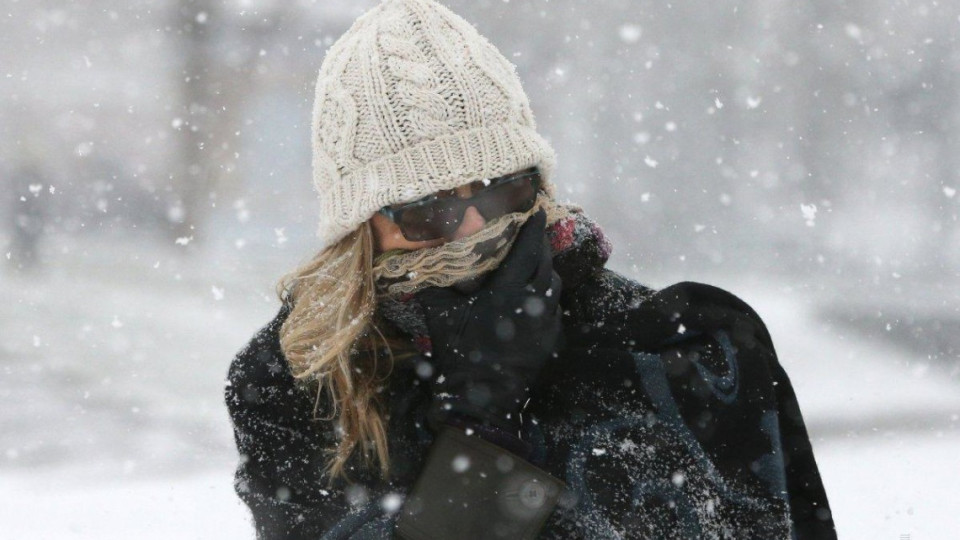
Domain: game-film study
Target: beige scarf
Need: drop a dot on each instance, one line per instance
(403, 273)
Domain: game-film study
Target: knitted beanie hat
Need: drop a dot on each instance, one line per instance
(409, 101)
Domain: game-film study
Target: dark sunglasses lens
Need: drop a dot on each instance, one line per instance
(507, 197)
(430, 221)
(441, 217)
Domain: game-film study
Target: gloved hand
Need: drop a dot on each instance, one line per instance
(490, 345)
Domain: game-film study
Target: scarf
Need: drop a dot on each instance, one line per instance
(578, 245)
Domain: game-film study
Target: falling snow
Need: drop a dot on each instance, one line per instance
(154, 159)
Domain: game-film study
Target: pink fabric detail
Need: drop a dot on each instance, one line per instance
(561, 234)
(606, 248)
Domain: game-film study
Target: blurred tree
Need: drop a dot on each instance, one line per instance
(27, 216)
(194, 174)
(221, 73)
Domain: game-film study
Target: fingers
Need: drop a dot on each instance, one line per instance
(524, 256)
(556, 287)
(542, 294)
(541, 281)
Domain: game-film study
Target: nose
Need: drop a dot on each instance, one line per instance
(472, 222)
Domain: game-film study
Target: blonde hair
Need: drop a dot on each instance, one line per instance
(333, 346)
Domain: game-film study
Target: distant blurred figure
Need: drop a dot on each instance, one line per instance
(27, 216)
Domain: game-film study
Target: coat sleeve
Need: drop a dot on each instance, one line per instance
(809, 508)
(280, 447)
(711, 308)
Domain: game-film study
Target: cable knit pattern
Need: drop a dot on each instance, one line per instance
(409, 101)
(416, 88)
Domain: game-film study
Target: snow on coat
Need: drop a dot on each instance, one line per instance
(667, 415)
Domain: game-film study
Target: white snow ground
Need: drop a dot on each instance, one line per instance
(113, 423)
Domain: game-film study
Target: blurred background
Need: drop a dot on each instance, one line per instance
(155, 174)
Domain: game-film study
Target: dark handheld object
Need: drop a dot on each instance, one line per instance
(471, 489)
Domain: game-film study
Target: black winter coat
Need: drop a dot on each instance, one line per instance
(668, 415)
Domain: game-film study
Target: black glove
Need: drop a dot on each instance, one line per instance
(490, 345)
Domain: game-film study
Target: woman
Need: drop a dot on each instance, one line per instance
(456, 362)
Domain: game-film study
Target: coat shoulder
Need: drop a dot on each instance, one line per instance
(704, 293)
(608, 293)
(714, 308)
(616, 306)
(259, 372)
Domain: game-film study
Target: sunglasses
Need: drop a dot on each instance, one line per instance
(439, 215)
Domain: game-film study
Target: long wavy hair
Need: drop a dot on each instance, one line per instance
(334, 347)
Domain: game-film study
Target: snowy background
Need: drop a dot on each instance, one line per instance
(155, 166)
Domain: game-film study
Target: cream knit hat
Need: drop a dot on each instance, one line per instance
(409, 101)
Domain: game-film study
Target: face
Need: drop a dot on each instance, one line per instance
(387, 234)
